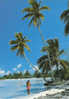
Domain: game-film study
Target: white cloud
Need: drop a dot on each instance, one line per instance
(19, 65)
(8, 72)
(18, 71)
(14, 69)
(2, 71)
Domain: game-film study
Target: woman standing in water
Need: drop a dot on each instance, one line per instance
(28, 85)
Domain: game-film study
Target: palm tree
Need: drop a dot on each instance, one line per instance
(43, 64)
(34, 14)
(65, 16)
(20, 45)
(53, 50)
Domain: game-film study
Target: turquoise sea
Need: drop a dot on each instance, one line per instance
(14, 89)
(11, 89)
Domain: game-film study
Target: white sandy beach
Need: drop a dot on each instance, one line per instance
(44, 93)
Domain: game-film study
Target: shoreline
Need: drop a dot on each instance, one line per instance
(42, 94)
(22, 79)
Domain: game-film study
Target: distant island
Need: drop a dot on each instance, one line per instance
(21, 75)
(63, 75)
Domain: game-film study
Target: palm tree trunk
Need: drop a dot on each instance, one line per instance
(42, 38)
(41, 35)
(31, 65)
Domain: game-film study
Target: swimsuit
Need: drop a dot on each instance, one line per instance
(28, 87)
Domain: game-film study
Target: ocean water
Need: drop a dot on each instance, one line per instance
(11, 89)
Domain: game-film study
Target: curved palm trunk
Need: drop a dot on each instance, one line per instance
(58, 62)
(31, 65)
(50, 65)
(42, 38)
(58, 65)
(41, 35)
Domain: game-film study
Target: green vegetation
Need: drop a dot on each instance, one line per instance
(52, 49)
(62, 75)
(21, 75)
(27, 74)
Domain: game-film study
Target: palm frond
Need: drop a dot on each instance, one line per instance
(35, 4)
(66, 19)
(31, 1)
(41, 65)
(44, 8)
(64, 63)
(20, 35)
(17, 36)
(56, 44)
(13, 42)
(22, 52)
(64, 14)
(13, 48)
(27, 40)
(35, 21)
(28, 10)
(42, 58)
(44, 49)
(50, 42)
(27, 16)
(61, 52)
(44, 69)
(31, 21)
(27, 47)
(67, 29)
(41, 16)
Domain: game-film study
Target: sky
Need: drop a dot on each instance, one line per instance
(10, 23)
